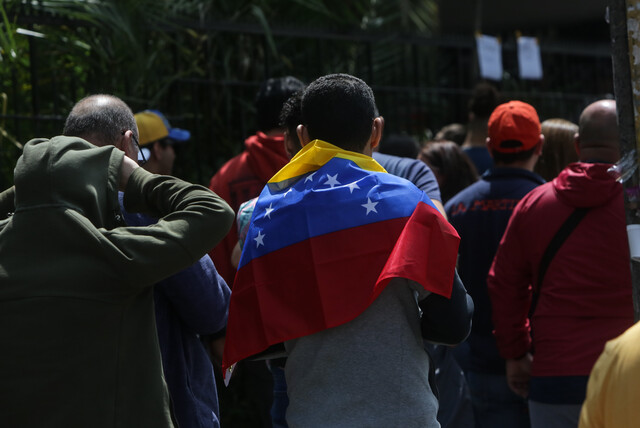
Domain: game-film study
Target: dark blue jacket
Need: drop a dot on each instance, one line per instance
(480, 214)
(191, 303)
(480, 157)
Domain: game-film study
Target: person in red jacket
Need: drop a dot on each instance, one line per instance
(243, 177)
(239, 180)
(584, 298)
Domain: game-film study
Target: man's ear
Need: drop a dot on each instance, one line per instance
(576, 143)
(291, 144)
(303, 135)
(488, 144)
(539, 146)
(128, 146)
(377, 127)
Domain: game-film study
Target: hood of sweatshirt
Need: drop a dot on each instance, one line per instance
(583, 185)
(70, 173)
(265, 155)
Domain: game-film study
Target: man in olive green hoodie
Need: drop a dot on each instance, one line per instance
(78, 344)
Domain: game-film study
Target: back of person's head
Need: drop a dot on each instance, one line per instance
(559, 150)
(514, 132)
(455, 132)
(484, 99)
(100, 119)
(339, 109)
(270, 98)
(598, 137)
(402, 145)
(451, 166)
(290, 118)
(291, 113)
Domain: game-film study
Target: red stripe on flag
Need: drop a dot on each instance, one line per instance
(307, 287)
(426, 252)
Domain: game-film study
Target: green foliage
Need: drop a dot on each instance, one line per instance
(173, 55)
(10, 59)
(200, 62)
(8, 48)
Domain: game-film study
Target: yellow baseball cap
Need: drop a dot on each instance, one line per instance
(153, 126)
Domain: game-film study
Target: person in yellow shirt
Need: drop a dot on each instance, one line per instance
(613, 391)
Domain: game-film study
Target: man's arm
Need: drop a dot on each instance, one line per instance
(198, 294)
(126, 169)
(193, 219)
(509, 288)
(423, 177)
(447, 321)
(519, 374)
(440, 207)
(508, 284)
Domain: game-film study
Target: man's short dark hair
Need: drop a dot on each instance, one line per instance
(455, 132)
(291, 114)
(101, 119)
(339, 109)
(270, 98)
(484, 99)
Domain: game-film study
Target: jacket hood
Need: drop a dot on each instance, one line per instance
(583, 185)
(69, 172)
(265, 155)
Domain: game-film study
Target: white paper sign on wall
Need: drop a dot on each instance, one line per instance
(489, 56)
(529, 60)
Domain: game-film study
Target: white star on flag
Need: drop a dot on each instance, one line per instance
(310, 177)
(287, 192)
(259, 239)
(332, 180)
(353, 186)
(370, 206)
(269, 211)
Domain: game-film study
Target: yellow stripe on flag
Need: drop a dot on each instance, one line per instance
(317, 153)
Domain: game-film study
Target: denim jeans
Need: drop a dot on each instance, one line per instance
(494, 404)
(280, 397)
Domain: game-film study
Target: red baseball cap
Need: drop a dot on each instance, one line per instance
(514, 127)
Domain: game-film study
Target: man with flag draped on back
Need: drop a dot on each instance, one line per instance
(350, 268)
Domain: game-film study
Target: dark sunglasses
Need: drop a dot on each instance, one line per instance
(144, 159)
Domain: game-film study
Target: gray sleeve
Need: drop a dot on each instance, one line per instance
(424, 179)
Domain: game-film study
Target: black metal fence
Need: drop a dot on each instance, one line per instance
(421, 84)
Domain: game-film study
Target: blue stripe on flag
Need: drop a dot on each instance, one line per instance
(337, 196)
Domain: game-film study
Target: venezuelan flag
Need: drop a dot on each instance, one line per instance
(327, 234)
